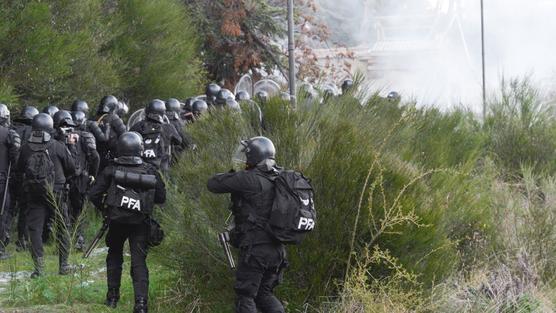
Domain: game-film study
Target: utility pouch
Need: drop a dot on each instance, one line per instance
(155, 234)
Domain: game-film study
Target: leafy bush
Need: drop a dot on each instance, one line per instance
(371, 191)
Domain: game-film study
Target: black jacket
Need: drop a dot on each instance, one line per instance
(112, 127)
(252, 193)
(64, 165)
(104, 180)
(10, 144)
(169, 134)
(92, 127)
(179, 125)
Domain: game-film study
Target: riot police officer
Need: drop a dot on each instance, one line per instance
(347, 86)
(22, 125)
(10, 143)
(126, 192)
(173, 108)
(50, 110)
(86, 162)
(394, 97)
(222, 96)
(261, 258)
(82, 121)
(45, 164)
(211, 92)
(157, 135)
(112, 127)
(199, 107)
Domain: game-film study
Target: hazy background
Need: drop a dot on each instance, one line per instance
(436, 67)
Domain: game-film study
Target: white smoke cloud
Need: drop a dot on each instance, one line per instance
(437, 59)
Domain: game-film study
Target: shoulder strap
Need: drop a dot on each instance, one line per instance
(101, 118)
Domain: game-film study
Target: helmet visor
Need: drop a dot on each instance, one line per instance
(239, 159)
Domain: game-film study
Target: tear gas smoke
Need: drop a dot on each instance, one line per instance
(430, 50)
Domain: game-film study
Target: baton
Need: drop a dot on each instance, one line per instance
(97, 239)
(6, 189)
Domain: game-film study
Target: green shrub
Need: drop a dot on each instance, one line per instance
(421, 210)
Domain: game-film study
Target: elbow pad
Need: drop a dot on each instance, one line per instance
(14, 139)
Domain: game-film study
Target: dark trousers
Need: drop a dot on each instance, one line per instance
(40, 207)
(76, 203)
(260, 270)
(19, 208)
(117, 235)
(5, 218)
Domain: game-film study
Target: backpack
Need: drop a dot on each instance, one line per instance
(293, 212)
(154, 145)
(128, 204)
(39, 169)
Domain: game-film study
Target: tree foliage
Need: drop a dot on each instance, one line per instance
(57, 50)
(238, 36)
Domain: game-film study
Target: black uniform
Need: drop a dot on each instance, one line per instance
(112, 127)
(261, 259)
(132, 226)
(87, 162)
(186, 143)
(93, 128)
(169, 135)
(18, 206)
(40, 205)
(10, 144)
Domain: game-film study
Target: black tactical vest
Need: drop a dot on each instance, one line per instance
(127, 204)
(251, 212)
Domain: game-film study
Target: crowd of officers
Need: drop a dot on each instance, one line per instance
(51, 161)
(80, 156)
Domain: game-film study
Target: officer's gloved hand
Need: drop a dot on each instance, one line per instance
(73, 138)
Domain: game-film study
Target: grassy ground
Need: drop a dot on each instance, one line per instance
(84, 291)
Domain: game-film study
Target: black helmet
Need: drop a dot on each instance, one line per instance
(199, 107)
(223, 95)
(328, 92)
(393, 96)
(4, 114)
(51, 110)
(242, 95)
(27, 113)
(63, 118)
(79, 118)
(173, 105)
(80, 105)
(258, 149)
(188, 105)
(42, 122)
(155, 110)
(212, 91)
(122, 109)
(108, 104)
(347, 85)
(232, 104)
(263, 96)
(130, 144)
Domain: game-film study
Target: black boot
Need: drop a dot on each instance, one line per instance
(140, 305)
(112, 297)
(3, 254)
(39, 267)
(80, 244)
(65, 267)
